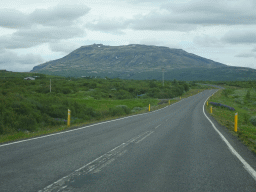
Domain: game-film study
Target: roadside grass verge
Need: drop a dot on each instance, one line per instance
(101, 106)
(236, 98)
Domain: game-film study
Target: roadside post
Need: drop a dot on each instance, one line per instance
(211, 109)
(68, 123)
(207, 103)
(169, 102)
(236, 119)
(149, 107)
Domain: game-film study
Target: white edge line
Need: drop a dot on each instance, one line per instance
(247, 167)
(85, 127)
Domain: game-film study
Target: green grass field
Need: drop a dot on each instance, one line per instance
(245, 108)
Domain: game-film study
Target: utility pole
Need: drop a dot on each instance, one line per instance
(163, 76)
(50, 86)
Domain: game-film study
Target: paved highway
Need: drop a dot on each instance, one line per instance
(173, 149)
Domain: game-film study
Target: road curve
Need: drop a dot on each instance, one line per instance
(173, 149)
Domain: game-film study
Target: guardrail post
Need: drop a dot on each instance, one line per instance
(149, 107)
(236, 119)
(68, 122)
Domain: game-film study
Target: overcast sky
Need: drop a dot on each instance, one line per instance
(33, 32)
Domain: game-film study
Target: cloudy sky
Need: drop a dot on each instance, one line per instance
(33, 32)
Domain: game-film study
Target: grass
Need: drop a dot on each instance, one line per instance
(99, 105)
(246, 131)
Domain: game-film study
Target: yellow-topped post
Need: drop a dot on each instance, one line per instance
(69, 113)
(236, 120)
(211, 109)
(149, 107)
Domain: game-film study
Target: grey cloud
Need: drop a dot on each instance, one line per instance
(59, 15)
(11, 18)
(11, 61)
(217, 12)
(152, 21)
(62, 15)
(25, 38)
(246, 55)
(48, 33)
(157, 42)
(147, 1)
(151, 42)
(41, 26)
(107, 25)
(186, 16)
(240, 37)
(254, 49)
(63, 47)
(207, 41)
(29, 59)
(159, 21)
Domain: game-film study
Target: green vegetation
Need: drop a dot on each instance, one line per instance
(28, 108)
(242, 97)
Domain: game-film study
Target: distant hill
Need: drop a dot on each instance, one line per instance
(141, 62)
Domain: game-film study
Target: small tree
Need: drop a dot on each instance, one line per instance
(248, 96)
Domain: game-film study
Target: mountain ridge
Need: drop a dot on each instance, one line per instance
(127, 61)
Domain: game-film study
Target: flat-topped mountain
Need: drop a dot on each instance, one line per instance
(140, 62)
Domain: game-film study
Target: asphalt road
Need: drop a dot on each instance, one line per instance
(173, 149)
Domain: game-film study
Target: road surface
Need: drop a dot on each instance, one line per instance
(176, 148)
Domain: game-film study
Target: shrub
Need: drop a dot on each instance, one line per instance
(227, 92)
(186, 87)
(136, 109)
(248, 95)
(27, 123)
(126, 109)
(122, 94)
(119, 110)
(246, 118)
(66, 91)
(1, 128)
(253, 120)
(239, 100)
(57, 111)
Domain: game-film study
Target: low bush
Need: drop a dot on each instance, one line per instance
(137, 109)
(227, 92)
(253, 120)
(1, 128)
(239, 100)
(119, 110)
(246, 118)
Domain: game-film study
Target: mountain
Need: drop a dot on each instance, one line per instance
(141, 62)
